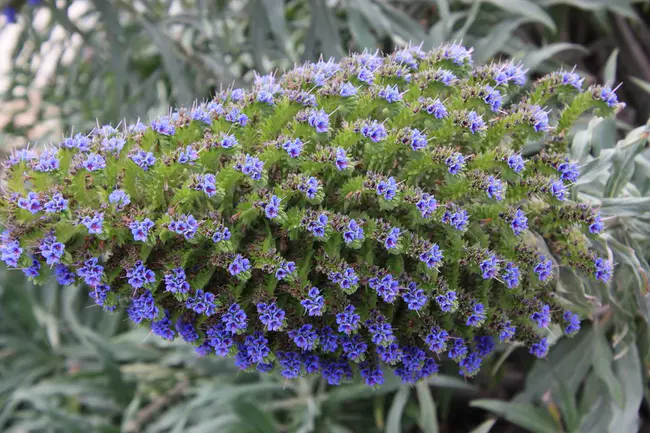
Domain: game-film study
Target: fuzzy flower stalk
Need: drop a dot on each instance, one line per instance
(351, 218)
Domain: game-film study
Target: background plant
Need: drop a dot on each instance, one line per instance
(595, 33)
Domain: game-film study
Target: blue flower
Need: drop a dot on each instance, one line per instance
(56, 204)
(176, 281)
(417, 140)
(437, 109)
(293, 147)
(139, 275)
(120, 199)
(608, 96)
(113, 145)
(185, 225)
(314, 304)
(354, 347)
(305, 337)
(569, 171)
(142, 308)
(519, 223)
(427, 205)
(372, 375)
(603, 270)
(94, 162)
(235, 320)
(516, 163)
(436, 339)
(236, 116)
(456, 162)
(348, 320)
(476, 122)
(381, 332)
(392, 239)
(318, 226)
(187, 156)
(319, 120)
(252, 167)
(51, 250)
(219, 339)
(186, 330)
(257, 347)
(390, 94)
(572, 79)
(284, 270)
(94, 224)
(140, 229)
(470, 365)
(414, 297)
(163, 328)
(444, 76)
(484, 344)
(558, 189)
(539, 349)
(163, 126)
(457, 220)
(291, 363)
(310, 187)
(542, 318)
(347, 90)
(64, 276)
(390, 354)
(47, 162)
(271, 316)
(387, 189)
(457, 54)
(494, 188)
(477, 317)
(374, 131)
(510, 275)
(354, 232)
(341, 159)
(202, 303)
(239, 265)
(91, 272)
(366, 76)
(489, 267)
(573, 323)
(543, 268)
(597, 225)
(447, 302)
(507, 331)
(208, 184)
(144, 160)
(458, 349)
(492, 98)
(432, 257)
(386, 287)
(221, 235)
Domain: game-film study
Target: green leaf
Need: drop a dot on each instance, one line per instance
(253, 417)
(360, 30)
(527, 416)
(610, 67)
(644, 85)
(629, 372)
(428, 418)
(485, 426)
(526, 9)
(394, 420)
(566, 401)
(623, 162)
(534, 58)
(602, 364)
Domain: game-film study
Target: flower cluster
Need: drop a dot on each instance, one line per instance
(346, 218)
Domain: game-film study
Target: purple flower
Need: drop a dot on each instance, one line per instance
(492, 98)
(427, 205)
(387, 188)
(354, 347)
(510, 275)
(458, 349)
(252, 167)
(558, 189)
(437, 109)
(444, 76)
(221, 235)
(573, 323)
(543, 268)
(113, 145)
(318, 226)
(235, 320)
(305, 337)
(139, 275)
(353, 233)
(456, 162)
(390, 354)
(176, 281)
(507, 331)
(516, 163)
(200, 114)
(185, 329)
(392, 239)
(494, 188)
(348, 320)
(489, 267)
(603, 270)
(94, 162)
(447, 302)
(284, 270)
(314, 304)
(64, 276)
(390, 94)
(47, 162)
(319, 120)
(91, 272)
(519, 223)
(163, 125)
(542, 317)
(208, 184)
(271, 209)
(237, 95)
(457, 54)
(372, 375)
(569, 171)
(94, 224)
(417, 140)
(163, 327)
(608, 96)
(597, 226)
(220, 339)
(31, 203)
(142, 308)
(436, 339)
(376, 132)
(51, 250)
(539, 349)
(202, 303)
(293, 147)
(477, 317)
(341, 159)
(432, 257)
(236, 116)
(470, 365)
(271, 316)
(187, 155)
(387, 287)
(347, 90)
(414, 297)
(144, 160)
(457, 220)
(120, 199)
(185, 225)
(476, 122)
(239, 265)
(366, 76)
(140, 229)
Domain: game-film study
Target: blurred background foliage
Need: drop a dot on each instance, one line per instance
(66, 367)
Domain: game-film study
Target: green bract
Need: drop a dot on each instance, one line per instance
(375, 211)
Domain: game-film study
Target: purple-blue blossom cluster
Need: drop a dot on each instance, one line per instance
(345, 218)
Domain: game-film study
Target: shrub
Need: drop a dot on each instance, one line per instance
(372, 212)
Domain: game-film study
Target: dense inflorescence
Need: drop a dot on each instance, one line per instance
(344, 218)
